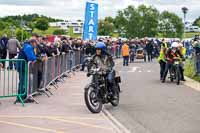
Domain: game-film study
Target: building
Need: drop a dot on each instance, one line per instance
(76, 25)
(190, 28)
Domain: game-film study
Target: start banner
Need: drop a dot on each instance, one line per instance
(91, 20)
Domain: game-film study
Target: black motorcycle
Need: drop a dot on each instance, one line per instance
(175, 71)
(98, 92)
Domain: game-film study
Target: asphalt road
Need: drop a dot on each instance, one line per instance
(149, 106)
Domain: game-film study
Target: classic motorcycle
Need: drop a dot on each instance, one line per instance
(98, 92)
(175, 71)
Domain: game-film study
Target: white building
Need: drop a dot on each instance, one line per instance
(190, 28)
(77, 25)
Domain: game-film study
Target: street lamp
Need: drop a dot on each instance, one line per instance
(185, 11)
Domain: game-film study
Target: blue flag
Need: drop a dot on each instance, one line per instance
(91, 21)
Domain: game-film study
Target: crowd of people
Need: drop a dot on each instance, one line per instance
(186, 49)
(39, 48)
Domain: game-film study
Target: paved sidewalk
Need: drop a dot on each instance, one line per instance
(64, 112)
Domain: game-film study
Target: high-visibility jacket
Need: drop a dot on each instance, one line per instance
(161, 56)
(183, 51)
(125, 50)
(164, 45)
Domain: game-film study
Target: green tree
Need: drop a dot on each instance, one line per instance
(21, 34)
(171, 25)
(137, 22)
(2, 25)
(197, 22)
(59, 32)
(42, 24)
(105, 28)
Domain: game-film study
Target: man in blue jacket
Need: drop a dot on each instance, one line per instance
(26, 53)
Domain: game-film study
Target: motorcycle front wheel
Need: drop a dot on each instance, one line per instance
(93, 103)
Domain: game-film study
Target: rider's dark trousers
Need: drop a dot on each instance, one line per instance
(110, 77)
(149, 56)
(182, 73)
(167, 68)
(162, 68)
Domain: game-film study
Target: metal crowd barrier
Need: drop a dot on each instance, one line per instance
(36, 77)
(43, 74)
(13, 82)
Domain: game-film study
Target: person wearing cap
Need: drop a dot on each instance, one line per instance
(26, 53)
(41, 55)
(171, 53)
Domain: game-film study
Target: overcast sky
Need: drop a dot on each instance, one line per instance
(74, 9)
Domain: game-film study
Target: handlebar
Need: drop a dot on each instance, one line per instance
(97, 71)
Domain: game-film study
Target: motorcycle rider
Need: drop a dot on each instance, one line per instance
(105, 62)
(171, 53)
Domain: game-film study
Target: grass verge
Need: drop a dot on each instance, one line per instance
(190, 70)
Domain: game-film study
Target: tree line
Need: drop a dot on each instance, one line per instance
(19, 24)
(144, 21)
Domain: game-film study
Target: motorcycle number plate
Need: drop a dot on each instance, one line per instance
(176, 62)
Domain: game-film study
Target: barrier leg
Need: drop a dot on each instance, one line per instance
(48, 90)
(41, 91)
(54, 85)
(30, 97)
(20, 99)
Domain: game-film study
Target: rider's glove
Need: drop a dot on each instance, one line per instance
(88, 74)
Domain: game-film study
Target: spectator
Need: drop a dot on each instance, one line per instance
(197, 58)
(3, 45)
(65, 46)
(149, 49)
(27, 53)
(88, 51)
(52, 49)
(125, 54)
(13, 46)
(41, 58)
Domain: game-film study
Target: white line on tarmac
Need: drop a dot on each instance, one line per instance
(30, 127)
(46, 117)
(117, 125)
